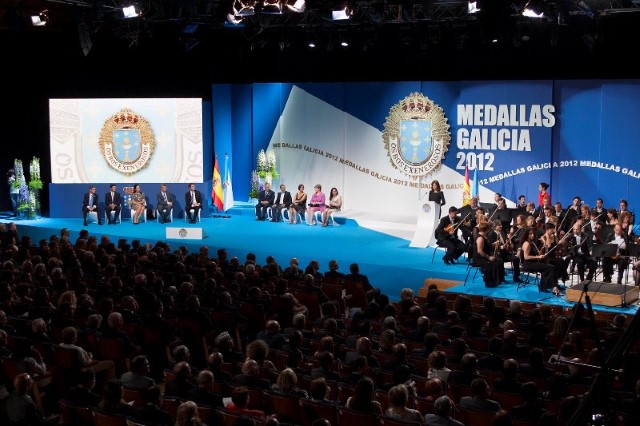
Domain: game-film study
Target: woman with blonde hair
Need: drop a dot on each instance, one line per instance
(398, 398)
(287, 384)
(187, 415)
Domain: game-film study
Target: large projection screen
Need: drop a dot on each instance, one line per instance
(126, 140)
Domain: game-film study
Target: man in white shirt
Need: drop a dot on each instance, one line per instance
(283, 199)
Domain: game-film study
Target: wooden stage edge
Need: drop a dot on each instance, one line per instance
(606, 294)
(442, 285)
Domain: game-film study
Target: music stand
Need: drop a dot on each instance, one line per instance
(633, 249)
(603, 250)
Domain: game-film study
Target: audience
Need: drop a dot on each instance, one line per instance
(135, 286)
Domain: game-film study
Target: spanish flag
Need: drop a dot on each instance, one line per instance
(216, 187)
(466, 189)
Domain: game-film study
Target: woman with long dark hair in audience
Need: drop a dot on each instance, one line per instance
(363, 398)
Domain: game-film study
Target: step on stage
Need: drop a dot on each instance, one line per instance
(606, 294)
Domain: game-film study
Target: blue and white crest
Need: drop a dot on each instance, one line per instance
(415, 140)
(126, 145)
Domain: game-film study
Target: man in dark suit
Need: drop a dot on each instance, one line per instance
(164, 203)
(479, 400)
(283, 199)
(90, 204)
(112, 204)
(446, 236)
(192, 203)
(265, 200)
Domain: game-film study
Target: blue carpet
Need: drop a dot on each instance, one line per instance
(388, 261)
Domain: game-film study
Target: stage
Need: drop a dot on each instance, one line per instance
(387, 259)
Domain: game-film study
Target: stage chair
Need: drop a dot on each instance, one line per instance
(92, 217)
(170, 215)
(143, 216)
(186, 217)
(471, 265)
(285, 215)
(113, 213)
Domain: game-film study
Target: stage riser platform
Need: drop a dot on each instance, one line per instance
(606, 294)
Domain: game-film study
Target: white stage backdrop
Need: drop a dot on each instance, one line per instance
(315, 142)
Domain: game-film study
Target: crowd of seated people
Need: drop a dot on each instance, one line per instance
(223, 338)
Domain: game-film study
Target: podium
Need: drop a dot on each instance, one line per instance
(428, 214)
(183, 233)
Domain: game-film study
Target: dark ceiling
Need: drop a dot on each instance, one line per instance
(192, 44)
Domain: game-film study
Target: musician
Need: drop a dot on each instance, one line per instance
(621, 259)
(594, 227)
(502, 213)
(533, 260)
(602, 212)
(447, 236)
(553, 250)
(546, 202)
(560, 214)
(612, 216)
(469, 212)
(485, 256)
(624, 207)
(480, 217)
(522, 204)
(530, 210)
(579, 246)
(574, 209)
(506, 249)
(626, 221)
(547, 214)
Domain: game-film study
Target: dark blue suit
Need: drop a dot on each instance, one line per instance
(265, 200)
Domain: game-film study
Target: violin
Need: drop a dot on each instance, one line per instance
(452, 228)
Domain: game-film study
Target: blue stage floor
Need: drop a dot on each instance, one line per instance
(388, 261)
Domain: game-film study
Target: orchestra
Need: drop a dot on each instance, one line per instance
(548, 239)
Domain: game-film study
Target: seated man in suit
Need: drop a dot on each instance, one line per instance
(479, 399)
(265, 200)
(112, 204)
(164, 204)
(90, 204)
(446, 236)
(283, 200)
(192, 203)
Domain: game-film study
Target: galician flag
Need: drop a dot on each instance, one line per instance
(216, 187)
(475, 188)
(228, 189)
(466, 189)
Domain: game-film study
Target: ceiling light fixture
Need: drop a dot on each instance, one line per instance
(41, 19)
(130, 11)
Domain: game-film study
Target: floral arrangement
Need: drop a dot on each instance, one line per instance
(19, 171)
(267, 164)
(255, 185)
(35, 183)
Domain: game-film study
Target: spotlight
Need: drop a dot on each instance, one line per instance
(41, 19)
(298, 6)
(244, 9)
(534, 9)
(131, 11)
(472, 7)
(271, 7)
(341, 15)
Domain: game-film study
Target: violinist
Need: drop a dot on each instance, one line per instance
(612, 216)
(602, 212)
(626, 221)
(485, 256)
(469, 211)
(533, 260)
(553, 250)
(579, 247)
(594, 227)
(504, 247)
(447, 236)
(620, 239)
